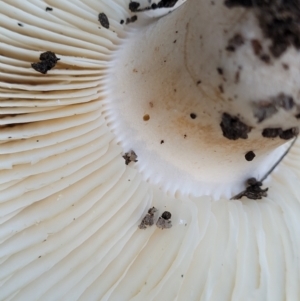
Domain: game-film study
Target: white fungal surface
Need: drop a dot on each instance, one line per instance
(70, 207)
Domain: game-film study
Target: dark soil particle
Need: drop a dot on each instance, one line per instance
(253, 191)
(164, 221)
(49, 8)
(221, 88)
(148, 219)
(289, 134)
(130, 157)
(193, 115)
(132, 19)
(233, 128)
(103, 20)
(256, 46)
(48, 61)
(271, 132)
(122, 22)
(166, 3)
(220, 71)
(162, 141)
(250, 156)
(278, 132)
(166, 215)
(237, 76)
(285, 66)
(278, 19)
(133, 6)
(265, 58)
(20, 24)
(235, 42)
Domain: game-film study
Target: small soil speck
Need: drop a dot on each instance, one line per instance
(250, 156)
(131, 156)
(233, 128)
(48, 61)
(193, 115)
(103, 20)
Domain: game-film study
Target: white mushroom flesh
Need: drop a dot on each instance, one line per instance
(70, 207)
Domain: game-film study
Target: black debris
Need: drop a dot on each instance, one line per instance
(193, 115)
(130, 157)
(271, 132)
(233, 128)
(48, 61)
(166, 3)
(164, 221)
(250, 156)
(148, 219)
(133, 6)
(278, 19)
(235, 42)
(243, 3)
(253, 190)
(20, 24)
(122, 22)
(103, 20)
(162, 141)
(220, 71)
(166, 215)
(49, 8)
(289, 134)
(132, 19)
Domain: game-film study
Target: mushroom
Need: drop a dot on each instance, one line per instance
(199, 98)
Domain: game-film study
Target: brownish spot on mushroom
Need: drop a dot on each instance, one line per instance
(285, 66)
(146, 117)
(220, 71)
(256, 46)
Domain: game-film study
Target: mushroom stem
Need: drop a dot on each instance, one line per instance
(203, 80)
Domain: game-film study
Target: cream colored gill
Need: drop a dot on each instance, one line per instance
(70, 207)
